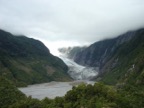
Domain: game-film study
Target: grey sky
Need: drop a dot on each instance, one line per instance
(70, 22)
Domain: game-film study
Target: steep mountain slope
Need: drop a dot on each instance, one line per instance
(99, 52)
(26, 61)
(126, 65)
(123, 66)
(120, 60)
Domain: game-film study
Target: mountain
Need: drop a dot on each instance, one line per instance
(126, 65)
(120, 60)
(28, 61)
(121, 63)
(71, 52)
(97, 53)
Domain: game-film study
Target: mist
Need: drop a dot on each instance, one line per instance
(61, 23)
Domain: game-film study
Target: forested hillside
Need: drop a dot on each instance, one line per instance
(121, 77)
(120, 60)
(126, 65)
(28, 61)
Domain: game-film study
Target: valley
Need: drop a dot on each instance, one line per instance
(43, 80)
(80, 75)
(71, 53)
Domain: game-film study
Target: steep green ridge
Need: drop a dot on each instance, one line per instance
(120, 60)
(99, 52)
(124, 67)
(129, 67)
(27, 61)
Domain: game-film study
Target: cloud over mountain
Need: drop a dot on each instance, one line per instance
(78, 21)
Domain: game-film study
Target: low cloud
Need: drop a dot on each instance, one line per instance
(79, 21)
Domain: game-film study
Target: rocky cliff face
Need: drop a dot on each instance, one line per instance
(27, 61)
(126, 65)
(98, 53)
(120, 59)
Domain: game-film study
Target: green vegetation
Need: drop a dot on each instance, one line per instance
(83, 96)
(27, 61)
(97, 54)
(129, 67)
(121, 65)
(9, 94)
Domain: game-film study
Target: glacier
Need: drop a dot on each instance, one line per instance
(78, 72)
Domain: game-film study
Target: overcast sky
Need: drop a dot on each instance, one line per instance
(61, 23)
